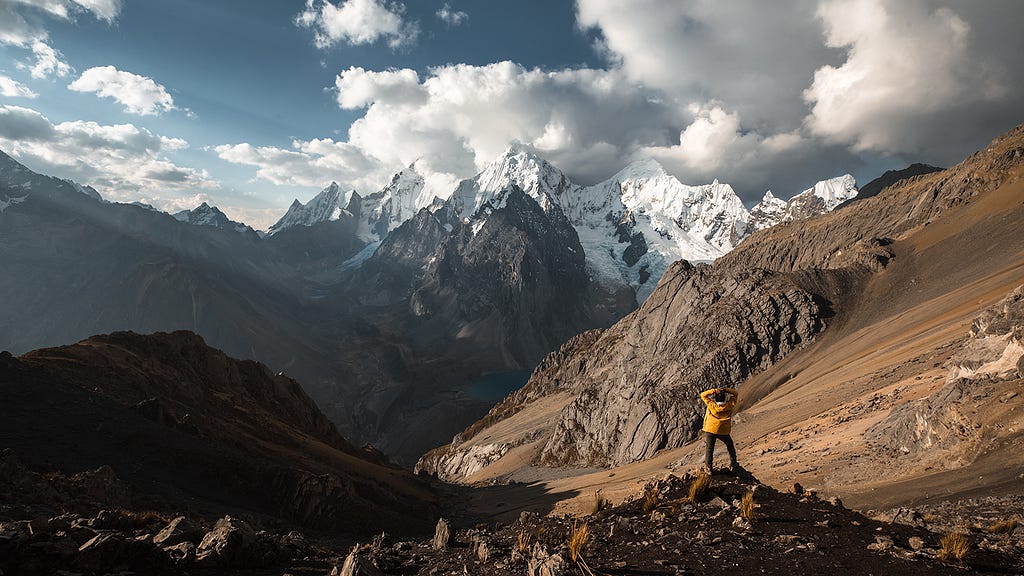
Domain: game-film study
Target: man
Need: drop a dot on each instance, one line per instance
(718, 423)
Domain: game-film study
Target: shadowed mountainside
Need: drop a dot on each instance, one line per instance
(184, 423)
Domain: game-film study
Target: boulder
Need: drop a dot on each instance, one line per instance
(230, 543)
(542, 563)
(177, 531)
(441, 535)
(356, 565)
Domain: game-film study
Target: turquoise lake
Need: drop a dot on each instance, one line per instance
(496, 385)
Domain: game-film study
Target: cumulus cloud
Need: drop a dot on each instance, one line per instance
(756, 94)
(451, 17)
(355, 22)
(20, 23)
(755, 57)
(123, 161)
(460, 117)
(13, 89)
(307, 163)
(48, 62)
(908, 66)
(138, 94)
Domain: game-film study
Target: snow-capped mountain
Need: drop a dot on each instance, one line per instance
(325, 206)
(823, 197)
(536, 177)
(631, 226)
(382, 212)
(642, 219)
(767, 213)
(206, 215)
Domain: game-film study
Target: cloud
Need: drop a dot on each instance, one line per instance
(310, 163)
(451, 17)
(14, 89)
(20, 23)
(759, 95)
(355, 22)
(49, 62)
(122, 161)
(358, 88)
(460, 117)
(909, 66)
(138, 94)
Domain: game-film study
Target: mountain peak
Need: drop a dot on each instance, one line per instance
(640, 169)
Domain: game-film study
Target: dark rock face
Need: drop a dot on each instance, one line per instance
(515, 270)
(700, 329)
(889, 178)
(446, 298)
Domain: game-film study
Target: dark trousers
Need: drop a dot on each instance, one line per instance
(709, 447)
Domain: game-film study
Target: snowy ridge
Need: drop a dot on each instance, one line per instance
(632, 226)
(642, 219)
(768, 212)
(325, 206)
(823, 197)
(531, 173)
(206, 215)
(399, 201)
(833, 192)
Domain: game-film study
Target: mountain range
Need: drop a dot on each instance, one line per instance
(885, 335)
(368, 301)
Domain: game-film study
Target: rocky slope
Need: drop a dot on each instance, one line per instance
(945, 427)
(185, 425)
(629, 392)
(734, 523)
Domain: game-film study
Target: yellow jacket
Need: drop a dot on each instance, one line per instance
(718, 417)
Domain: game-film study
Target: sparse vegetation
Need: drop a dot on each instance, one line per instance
(1003, 526)
(600, 503)
(652, 497)
(747, 506)
(699, 487)
(523, 541)
(954, 546)
(579, 540)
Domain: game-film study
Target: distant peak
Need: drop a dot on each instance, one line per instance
(203, 206)
(515, 149)
(641, 168)
(768, 197)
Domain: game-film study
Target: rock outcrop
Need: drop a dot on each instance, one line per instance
(945, 426)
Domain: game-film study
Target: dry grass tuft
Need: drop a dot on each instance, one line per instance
(699, 487)
(600, 503)
(954, 546)
(143, 518)
(523, 542)
(579, 541)
(747, 506)
(1003, 527)
(652, 497)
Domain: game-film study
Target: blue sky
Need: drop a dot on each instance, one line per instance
(248, 104)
